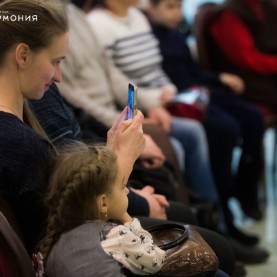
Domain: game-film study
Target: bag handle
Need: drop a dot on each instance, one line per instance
(170, 227)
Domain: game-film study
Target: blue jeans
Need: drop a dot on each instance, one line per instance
(198, 175)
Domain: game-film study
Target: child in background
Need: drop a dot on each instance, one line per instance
(87, 192)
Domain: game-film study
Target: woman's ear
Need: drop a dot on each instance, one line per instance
(102, 204)
(22, 52)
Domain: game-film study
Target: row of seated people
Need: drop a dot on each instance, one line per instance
(113, 63)
(81, 185)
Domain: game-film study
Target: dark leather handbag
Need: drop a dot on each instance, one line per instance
(187, 254)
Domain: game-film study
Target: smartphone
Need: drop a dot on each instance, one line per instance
(132, 100)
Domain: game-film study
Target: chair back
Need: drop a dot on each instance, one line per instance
(14, 259)
(204, 17)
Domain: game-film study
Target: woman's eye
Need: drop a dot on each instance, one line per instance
(56, 62)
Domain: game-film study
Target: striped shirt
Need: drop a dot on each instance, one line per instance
(131, 44)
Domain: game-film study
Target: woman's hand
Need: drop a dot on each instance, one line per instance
(126, 138)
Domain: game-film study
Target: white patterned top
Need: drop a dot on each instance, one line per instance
(132, 246)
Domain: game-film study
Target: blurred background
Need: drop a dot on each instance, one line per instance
(267, 228)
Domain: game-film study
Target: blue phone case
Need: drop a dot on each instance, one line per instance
(131, 101)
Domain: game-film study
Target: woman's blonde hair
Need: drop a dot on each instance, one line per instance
(30, 119)
(34, 22)
(81, 173)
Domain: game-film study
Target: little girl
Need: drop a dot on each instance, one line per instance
(87, 191)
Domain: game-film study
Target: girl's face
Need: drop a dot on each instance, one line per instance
(43, 68)
(117, 199)
(168, 13)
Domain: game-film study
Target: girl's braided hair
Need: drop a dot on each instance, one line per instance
(80, 174)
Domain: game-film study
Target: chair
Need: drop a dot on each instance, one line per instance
(203, 18)
(14, 259)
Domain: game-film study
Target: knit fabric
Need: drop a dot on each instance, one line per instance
(24, 164)
(131, 44)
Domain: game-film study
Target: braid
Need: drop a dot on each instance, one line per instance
(56, 205)
(79, 176)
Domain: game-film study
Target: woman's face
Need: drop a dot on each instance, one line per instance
(43, 68)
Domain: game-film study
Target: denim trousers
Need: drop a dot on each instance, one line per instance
(190, 135)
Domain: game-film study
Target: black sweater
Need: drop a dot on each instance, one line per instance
(178, 63)
(25, 159)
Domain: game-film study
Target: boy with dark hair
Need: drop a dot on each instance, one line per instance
(228, 118)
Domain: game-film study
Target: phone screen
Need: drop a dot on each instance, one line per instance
(132, 100)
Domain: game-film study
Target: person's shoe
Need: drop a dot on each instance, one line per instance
(248, 255)
(243, 238)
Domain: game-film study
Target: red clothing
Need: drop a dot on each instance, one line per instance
(235, 40)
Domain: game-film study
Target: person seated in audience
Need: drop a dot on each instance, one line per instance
(29, 63)
(126, 36)
(228, 118)
(94, 179)
(243, 37)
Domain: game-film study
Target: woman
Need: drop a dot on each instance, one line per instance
(29, 63)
